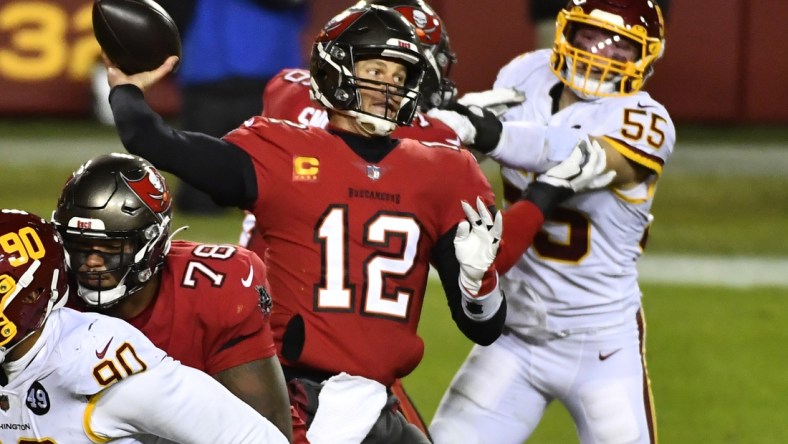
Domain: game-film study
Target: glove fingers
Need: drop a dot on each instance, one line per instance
(497, 228)
(470, 213)
(493, 97)
(484, 213)
(591, 162)
(457, 122)
(600, 159)
(463, 231)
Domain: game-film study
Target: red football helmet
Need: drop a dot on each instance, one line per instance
(591, 74)
(32, 275)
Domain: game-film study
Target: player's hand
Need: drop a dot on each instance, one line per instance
(497, 101)
(477, 127)
(584, 169)
(476, 244)
(142, 80)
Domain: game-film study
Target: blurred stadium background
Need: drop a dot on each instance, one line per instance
(715, 275)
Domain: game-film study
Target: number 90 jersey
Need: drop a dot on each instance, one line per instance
(76, 356)
(580, 271)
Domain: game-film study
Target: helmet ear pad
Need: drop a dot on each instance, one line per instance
(334, 72)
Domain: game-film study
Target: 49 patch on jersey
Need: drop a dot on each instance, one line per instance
(37, 399)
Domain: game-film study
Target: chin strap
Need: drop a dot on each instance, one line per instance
(56, 301)
(373, 126)
(169, 240)
(93, 297)
(581, 85)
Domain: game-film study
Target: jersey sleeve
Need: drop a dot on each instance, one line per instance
(209, 164)
(177, 403)
(519, 70)
(428, 130)
(641, 130)
(267, 142)
(471, 183)
(237, 325)
(105, 351)
(526, 144)
(287, 95)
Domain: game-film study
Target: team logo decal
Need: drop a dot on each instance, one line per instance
(338, 24)
(37, 399)
(419, 18)
(151, 190)
(4, 405)
(265, 302)
(427, 25)
(264, 299)
(373, 172)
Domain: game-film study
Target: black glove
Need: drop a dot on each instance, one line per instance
(488, 127)
(546, 197)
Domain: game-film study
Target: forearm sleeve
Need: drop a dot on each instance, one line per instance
(533, 147)
(211, 165)
(178, 403)
(523, 220)
(445, 261)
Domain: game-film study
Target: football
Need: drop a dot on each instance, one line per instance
(136, 35)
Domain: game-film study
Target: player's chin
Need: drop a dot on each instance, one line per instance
(99, 283)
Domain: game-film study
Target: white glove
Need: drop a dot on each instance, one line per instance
(476, 244)
(496, 101)
(584, 169)
(477, 127)
(457, 122)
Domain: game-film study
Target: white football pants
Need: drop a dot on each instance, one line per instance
(500, 393)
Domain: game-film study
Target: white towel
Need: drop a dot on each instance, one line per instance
(348, 407)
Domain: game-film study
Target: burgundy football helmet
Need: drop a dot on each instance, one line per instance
(119, 207)
(437, 89)
(359, 33)
(33, 278)
(592, 75)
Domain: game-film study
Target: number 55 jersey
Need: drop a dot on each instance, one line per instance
(580, 273)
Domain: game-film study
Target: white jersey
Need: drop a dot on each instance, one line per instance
(91, 378)
(580, 273)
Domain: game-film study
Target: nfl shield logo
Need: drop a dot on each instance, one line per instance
(373, 172)
(4, 403)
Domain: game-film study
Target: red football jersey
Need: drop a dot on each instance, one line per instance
(207, 313)
(349, 242)
(286, 97)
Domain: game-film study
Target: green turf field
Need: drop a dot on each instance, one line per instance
(716, 355)
(716, 360)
